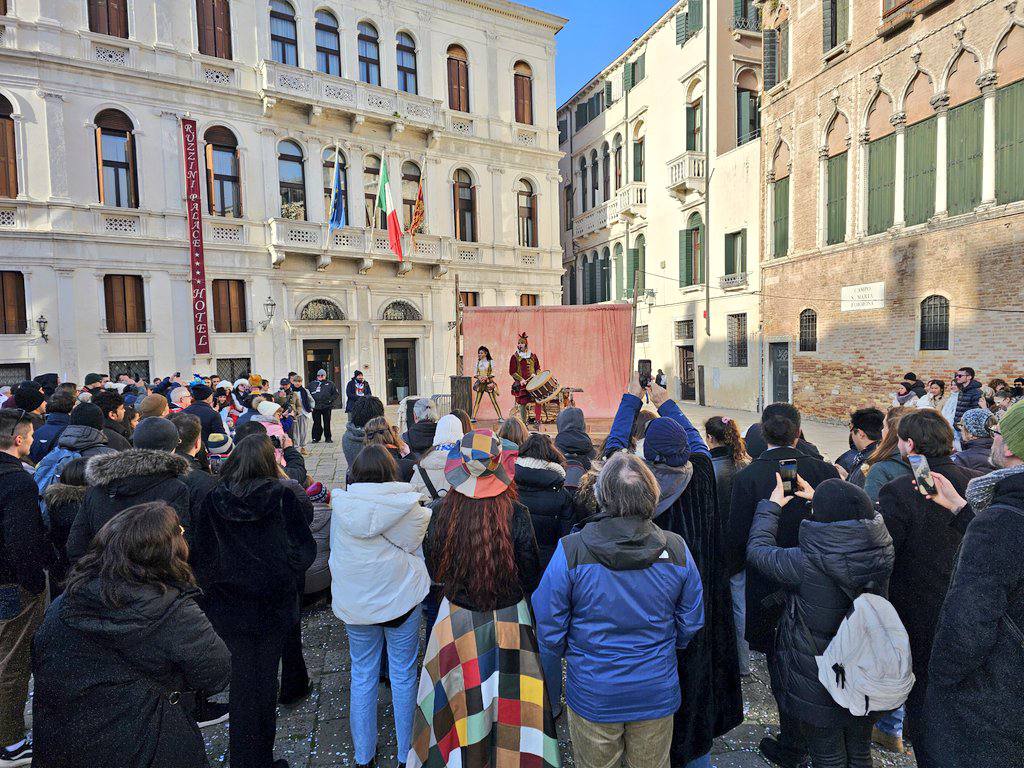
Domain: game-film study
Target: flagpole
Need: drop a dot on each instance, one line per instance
(376, 202)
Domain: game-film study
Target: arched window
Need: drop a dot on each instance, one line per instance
(604, 292)
(920, 150)
(935, 323)
(592, 273)
(284, 44)
(328, 44)
(527, 205)
(8, 151)
(329, 156)
(371, 185)
(748, 111)
(620, 282)
(292, 179)
(635, 267)
(964, 136)
(808, 331)
(458, 78)
(835, 174)
(223, 178)
(780, 202)
(213, 18)
(322, 309)
(405, 48)
(583, 184)
(523, 87)
(691, 252)
(638, 153)
(571, 279)
(464, 204)
(115, 160)
(410, 192)
(695, 126)
(595, 178)
(618, 161)
(1010, 117)
(401, 311)
(109, 17)
(606, 171)
(369, 54)
(881, 165)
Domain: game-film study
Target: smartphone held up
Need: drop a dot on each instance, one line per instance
(788, 470)
(923, 475)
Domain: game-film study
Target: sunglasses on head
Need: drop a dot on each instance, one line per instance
(22, 414)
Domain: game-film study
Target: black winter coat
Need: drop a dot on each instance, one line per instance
(208, 418)
(541, 486)
(975, 695)
(25, 550)
(926, 549)
(420, 436)
(252, 546)
(117, 435)
(750, 487)
(84, 440)
(832, 562)
(966, 399)
(725, 471)
(121, 480)
(976, 455)
(524, 545)
(63, 503)
(105, 679)
(709, 673)
(199, 481)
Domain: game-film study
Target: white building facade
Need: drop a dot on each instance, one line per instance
(455, 94)
(644, 143)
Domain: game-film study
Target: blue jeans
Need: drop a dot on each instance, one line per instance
(893, 723)
(365, 643)
(738, 584)
(552, 666)
(700, 762)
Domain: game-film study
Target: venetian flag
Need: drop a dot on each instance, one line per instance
(386, 203)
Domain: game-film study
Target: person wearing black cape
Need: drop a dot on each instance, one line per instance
(712, 697)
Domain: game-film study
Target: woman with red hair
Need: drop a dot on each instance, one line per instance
(482, 685)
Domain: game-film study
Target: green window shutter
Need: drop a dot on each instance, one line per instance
(836, 223)
(919, 172)
(881, 183)
(827, 36)
(632, 263)
(769, 50)
(691, 126)
(782, 65)
(638, 161)
(963, 157)
(607, 92)
(685, 251)
(742, 116)
(730, 253)
(743, 252)
(593, 282)
(627, 77)
(780, 223)
(1010, 143)
(641, 261)
(641, 67)
(842, 20)
(695, 15)
(621, 292)
(737, 8)
(680, 28)
(702, 253)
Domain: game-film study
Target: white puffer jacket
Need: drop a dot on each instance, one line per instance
(377, 568)
(433, 464)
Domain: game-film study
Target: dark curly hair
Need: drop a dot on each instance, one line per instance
(364, 409)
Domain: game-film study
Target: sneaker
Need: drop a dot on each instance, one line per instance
(20, 756)
(778, 755)
(889, 741)
(211, 713)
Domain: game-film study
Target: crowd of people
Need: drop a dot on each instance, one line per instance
(156, 538)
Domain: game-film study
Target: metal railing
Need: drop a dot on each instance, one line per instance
(748, 23)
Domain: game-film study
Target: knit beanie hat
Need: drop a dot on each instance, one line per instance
(449, 431)
(219, 444)
(86, 415)
(255, 380)
(200, 391)
(93, 378)
(1012, 428)
(665, 443)
(268, 408)
(975, 421)
(836, 500)
(318, 494)
(156, 434)
(27, 396)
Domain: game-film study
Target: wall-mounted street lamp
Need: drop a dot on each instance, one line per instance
(42, 322)
(269, 306)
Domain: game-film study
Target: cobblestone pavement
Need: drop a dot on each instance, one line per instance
(315, 734)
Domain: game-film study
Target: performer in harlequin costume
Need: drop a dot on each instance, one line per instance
(484, 383)
(522, 367)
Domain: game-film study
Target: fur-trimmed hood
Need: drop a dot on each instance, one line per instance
(539, 474)
(59, 494)
(132, 471)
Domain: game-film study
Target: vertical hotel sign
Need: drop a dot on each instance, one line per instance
(196, 257)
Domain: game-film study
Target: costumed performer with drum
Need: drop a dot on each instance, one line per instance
(523, 366)
(485, 384)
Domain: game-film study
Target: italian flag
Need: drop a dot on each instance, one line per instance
(386, 203)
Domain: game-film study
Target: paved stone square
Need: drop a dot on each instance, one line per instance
(315, 734)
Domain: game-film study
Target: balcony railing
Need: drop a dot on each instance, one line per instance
(632, 200)
(732, 282)
(601, 217)
(688, 172)
(279, 81)
(290, 236)
(747, 23)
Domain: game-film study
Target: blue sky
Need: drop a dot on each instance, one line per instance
(597, 31)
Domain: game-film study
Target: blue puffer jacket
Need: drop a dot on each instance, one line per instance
(617, 600)
(45, 438)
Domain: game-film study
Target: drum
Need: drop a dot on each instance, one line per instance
(542, 387)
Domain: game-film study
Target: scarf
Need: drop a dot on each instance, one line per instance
(524, 355)
(360, 386)
(981, 490)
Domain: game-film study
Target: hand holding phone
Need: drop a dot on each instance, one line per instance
(787, 471)
(923, 475)
(644, 369)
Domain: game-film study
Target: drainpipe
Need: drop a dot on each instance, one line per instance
(709, 172)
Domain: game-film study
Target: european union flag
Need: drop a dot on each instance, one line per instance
(337, 201)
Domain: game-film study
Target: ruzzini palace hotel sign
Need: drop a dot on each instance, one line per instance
(196, 257)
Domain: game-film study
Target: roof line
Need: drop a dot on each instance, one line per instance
(640, 41)
(519, 12)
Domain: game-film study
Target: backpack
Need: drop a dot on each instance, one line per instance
(867, 666)
(49, 468)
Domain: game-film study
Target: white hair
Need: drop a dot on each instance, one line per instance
(423, 410)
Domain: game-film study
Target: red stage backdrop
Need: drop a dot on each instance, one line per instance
(196, 256)
(583, 346)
